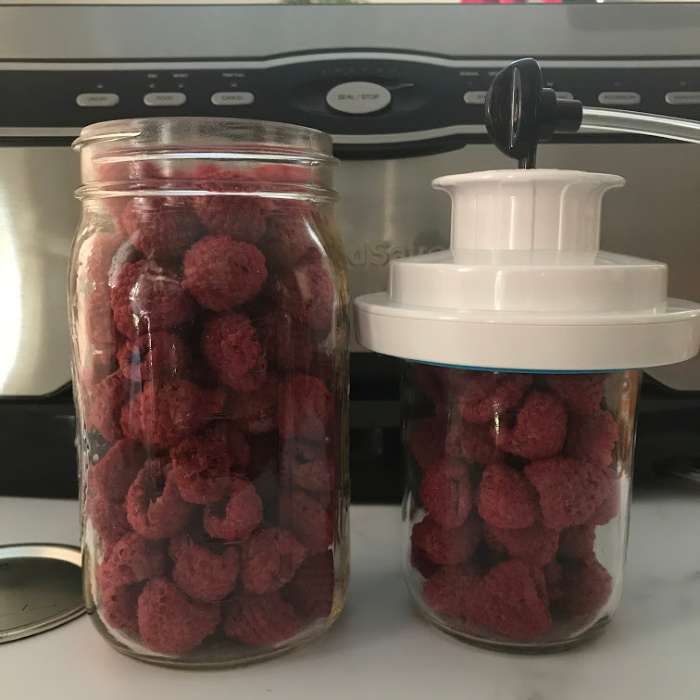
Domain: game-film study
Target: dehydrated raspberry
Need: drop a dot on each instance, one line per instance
(255, 411)
(427, 441)
(509, 601)
(476, 443)
(119, 607)
(115, 472)
(103, 257)
(308, 465)
(99, 325)
(422, 564)
(488, 394)
(290, 233)
(446, 492)
(204, 574)
(312, 589)
(535, 544)
(104, 406)
(586, 586)
(539, 430)
(305, 408)
(506, 499)
(159, 355)
(231, 347)
(592, 438)
(146, 298)
(306, 292)
(98, 367)
(229, 210)
(153, 504)
(237, 517)
(162, 228)
(108, 518)
(167, 412)
(581, 393)
(171, 624)
(610, 506)
(446, 545)
(270, 559)
(203, 465)
(133, 559)
(310, 521)
(569, 490)
(221, 273)
(260, 620)
(447, 592)
(577, 542)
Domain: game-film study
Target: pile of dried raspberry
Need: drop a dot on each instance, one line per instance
(210, 380)
(514, 472)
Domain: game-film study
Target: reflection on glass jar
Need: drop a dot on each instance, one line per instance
(209, 320)
(517, 501)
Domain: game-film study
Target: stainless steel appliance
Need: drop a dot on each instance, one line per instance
(400, 87)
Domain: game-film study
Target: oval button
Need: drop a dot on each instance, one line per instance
(358, 97)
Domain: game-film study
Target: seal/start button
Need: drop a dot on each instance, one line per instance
(359, 97)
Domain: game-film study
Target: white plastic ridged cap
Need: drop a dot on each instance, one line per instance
(524, 285)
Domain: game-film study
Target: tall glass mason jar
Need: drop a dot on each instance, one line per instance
(208, 308)
(517, 501)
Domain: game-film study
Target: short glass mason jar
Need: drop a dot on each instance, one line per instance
(208, 307)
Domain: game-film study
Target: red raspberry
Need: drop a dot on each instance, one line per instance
(205, 575)
(610, 506)
(420, 561)
(104, 406)
(569, 490)
(167, 412)
(506, 499)
(231, 347)
(98, 367)
(553, 578)
(427, 441)
(256, 411)
(509, 600)
(115, 472)
(99, 325)
(447, 546)
(119, 608)
(535, 544)
(586, 587)
(310, 521)
(489, 394)
(270, 559)
(306, 292)
(581, 393)
(308, 465)
(159, 355)
(476, 444)
(108, 518)
(104, 249)
(260, 620)
(145, 298)
(153, 505)
(289, 233)
(539, 431)
(170, 623)
(446, 493)
(221, 273)
(448, 591)
(312, 589)
(202, 464)
(577, 542)
(305, 409)
(162, 228)
(592, 438)
(133, 559)
(236, 518)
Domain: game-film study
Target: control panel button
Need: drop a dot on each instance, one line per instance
(164, 99)
(619, 98)
(475, 97)
(232, 99)
(563, 95)
(358, 97)
(686, 97)
(97, 99)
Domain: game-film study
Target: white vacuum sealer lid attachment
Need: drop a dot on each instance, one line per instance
(524, 285)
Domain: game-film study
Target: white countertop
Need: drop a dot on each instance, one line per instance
(381, 649)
